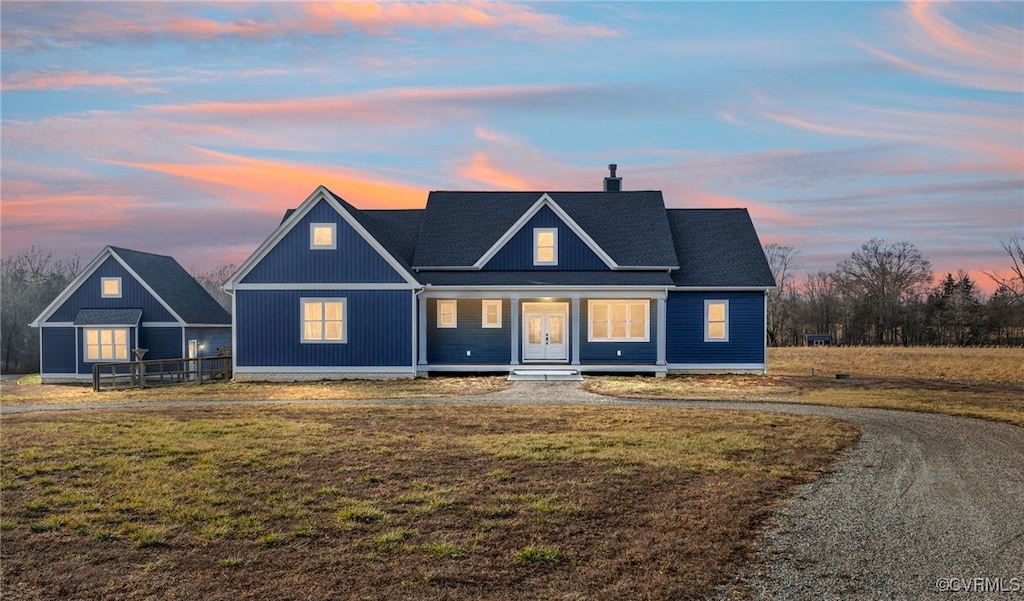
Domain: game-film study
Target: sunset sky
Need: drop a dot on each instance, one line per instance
(188, 128)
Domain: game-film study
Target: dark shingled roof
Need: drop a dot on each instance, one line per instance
(476, 220)
(175, 286)
(545, 278)
(718, 247)
(108, 317)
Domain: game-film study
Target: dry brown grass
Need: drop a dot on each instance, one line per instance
(393, 502)
(33, 393)
(985, 383)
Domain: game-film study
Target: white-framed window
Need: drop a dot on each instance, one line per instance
(324, 320)
(110, 287)
(447, 313)
(545, 246)
(613, 320)
(323, 236)
(716, 321)
(491, 311)
(105, 344)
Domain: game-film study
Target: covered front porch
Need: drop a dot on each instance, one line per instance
(605, 330)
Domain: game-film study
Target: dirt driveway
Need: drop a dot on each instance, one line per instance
(925, 507)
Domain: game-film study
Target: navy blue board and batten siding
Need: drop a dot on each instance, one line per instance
(378, 327)
(89, 295)
(59, 345)
(210, 340)
(291, 261)
(485, 345)
(685, 328)
(573, 252)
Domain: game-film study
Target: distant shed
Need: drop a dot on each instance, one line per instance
(817, 339)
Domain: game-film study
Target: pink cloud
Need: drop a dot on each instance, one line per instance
(480, 169)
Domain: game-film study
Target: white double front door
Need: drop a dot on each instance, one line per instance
(545, 331)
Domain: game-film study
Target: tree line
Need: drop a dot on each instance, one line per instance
(882, 294)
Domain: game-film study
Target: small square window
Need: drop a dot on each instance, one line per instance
(110, 287)
(545, 246)
(447, 314)
(323, 236)
(491, 314)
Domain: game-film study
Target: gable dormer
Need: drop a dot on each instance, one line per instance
(544, 241)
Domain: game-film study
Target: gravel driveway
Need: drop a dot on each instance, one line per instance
(924, 507)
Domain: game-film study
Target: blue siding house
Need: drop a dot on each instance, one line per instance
(602, 281)
(124, 300)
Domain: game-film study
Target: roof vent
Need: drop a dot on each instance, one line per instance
(612, 183)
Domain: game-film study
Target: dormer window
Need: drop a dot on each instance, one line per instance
(545, 246)
(110, 287)
(323, 236)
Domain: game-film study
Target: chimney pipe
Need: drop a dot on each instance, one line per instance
(612, 183)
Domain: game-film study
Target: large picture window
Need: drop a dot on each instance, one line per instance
(106, 344)
(716, 321)
(619, 320)
(324, 320)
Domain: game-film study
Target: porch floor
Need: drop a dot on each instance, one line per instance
(547, 374)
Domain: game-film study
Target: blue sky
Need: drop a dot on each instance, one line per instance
(188, 128)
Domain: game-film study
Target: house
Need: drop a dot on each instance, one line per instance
(594, 281)
(125, 300)
(817, 339)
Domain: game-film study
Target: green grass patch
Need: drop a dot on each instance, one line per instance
(539, 554)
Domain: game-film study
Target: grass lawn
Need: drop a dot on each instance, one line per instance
(974, 382)
(393, 502)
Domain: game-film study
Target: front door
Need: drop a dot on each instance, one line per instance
(545, 331)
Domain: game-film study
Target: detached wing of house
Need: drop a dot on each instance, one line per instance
(605, 281)
(123, 300)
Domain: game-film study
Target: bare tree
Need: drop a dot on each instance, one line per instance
(821, 303)
(886, 278)
(29, 281)
(212, 281)
(1014, 282)
(782, 261)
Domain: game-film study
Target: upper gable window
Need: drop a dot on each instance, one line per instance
(110, 287)
(545, 246)
(323, 236)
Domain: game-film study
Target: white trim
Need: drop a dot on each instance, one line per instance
(326, 286)
(504, 367)
(543, 201)
(707, 322)
(527, 292)
(322, 301)
(162, 324)
(59, 324)
(722, 288)
(455, 314)
(113, 345)
(234, 332)
(547, 309)
(537, 231)
(764, 331)
(662, 335)
(202, 325)
(627, 302)
(103, 287)
(421, 325)
(483, 313)
(334, 236)
(716, 368)
(321, 193)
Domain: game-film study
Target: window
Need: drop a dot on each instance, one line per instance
(491, 314)
(716, 321)
(619, 320)
(106, 344)
(545, 246)
(322, 236)
(323, 320)
(110, 287)
(446, 314)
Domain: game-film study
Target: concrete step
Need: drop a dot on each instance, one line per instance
(547, 374)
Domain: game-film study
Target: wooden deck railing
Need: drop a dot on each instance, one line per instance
(160, 372)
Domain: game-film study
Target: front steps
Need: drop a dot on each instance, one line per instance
(546, 374)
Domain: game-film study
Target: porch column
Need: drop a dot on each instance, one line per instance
(514, 330)
(575, 330)
(422, 322)
(662, 329)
